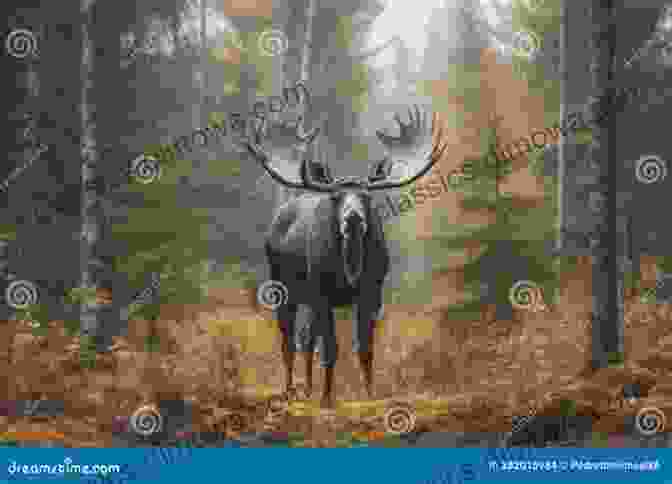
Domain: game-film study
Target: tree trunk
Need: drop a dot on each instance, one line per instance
(91, 209)
(561, 245)
(607, 319)
(304, 76)
(26, 146)
(204, 64)
(306, 56)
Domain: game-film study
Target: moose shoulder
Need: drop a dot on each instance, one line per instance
(327, 248)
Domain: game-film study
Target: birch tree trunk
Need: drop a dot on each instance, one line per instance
(306, 55)
(607, 318)
(204, 63)
(91, 209)
(304, 76)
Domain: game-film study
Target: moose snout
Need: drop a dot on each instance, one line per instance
(351, 223)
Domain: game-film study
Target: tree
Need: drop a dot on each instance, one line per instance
(513, 248)
(608, 277)
(300, 150)
(92, 266)
(456, 36)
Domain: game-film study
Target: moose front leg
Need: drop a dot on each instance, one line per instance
(364, 326)
(309, 358)
(324, 324)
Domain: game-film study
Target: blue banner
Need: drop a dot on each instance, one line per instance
(352, 466)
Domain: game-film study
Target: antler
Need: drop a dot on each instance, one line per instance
(414, 144)
(295, 133)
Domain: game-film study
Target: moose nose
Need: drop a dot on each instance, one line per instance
(353, 218)
(351, 222)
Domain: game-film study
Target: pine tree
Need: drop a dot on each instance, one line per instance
(166, 240)
(514, 247)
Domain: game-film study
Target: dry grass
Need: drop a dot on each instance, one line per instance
(468, 376)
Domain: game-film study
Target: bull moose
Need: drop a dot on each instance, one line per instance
(327, 248)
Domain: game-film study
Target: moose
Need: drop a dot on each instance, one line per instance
(327, 247)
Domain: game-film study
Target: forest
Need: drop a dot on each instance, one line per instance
(507, 298)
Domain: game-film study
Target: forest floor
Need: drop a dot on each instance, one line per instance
(224, 358)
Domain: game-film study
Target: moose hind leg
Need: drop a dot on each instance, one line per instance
(328, 354)
(287, 321)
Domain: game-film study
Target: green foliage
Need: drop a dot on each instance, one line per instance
(231, 71)
(72, 327)
(344, 32)
(168, 239)
(152, 343)
(360, 152)
(538, 20)
(87, 352)
(664, 263)
(599, 439)
(536, 162)
(343, 313)
(630, 280)
(615, 359)
(234, 276)
(256, 55)
(464, 81)
(526, 231)
(224, 168)
(8, 231)
(568, 408)
(38, 316)
(356, 85)
(165, 238)
(80, 295)
(415, 288)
